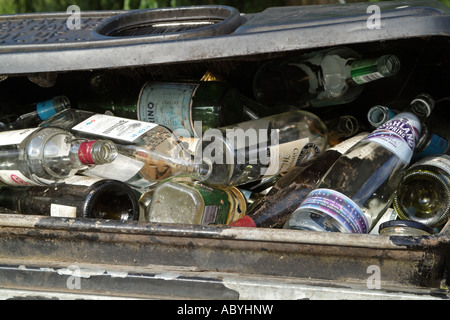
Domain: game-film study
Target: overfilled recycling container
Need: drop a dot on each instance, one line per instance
(328, 198)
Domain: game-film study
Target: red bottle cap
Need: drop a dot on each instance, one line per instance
(245, 222)
(84, 152)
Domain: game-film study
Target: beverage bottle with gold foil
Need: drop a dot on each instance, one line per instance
(46, 156)
(252, 150)
(192, 202)
(318, 79)
(359, 187)
(273, 210)
(424, 193)
(77, 197)
(147, 153)
(175, 105)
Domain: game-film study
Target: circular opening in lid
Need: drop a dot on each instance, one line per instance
(172, 23)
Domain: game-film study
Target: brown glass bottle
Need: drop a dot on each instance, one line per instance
(273, 210)
(83, 198)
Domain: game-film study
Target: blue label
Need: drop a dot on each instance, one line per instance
(45, 109)
(437, 145)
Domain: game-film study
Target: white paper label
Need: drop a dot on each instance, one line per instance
(82, 180)
(15, 178)
(57, 210)
(14, 136)
(123, 168)
(114, 127)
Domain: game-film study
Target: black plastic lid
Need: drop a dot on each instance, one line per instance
(407, 224)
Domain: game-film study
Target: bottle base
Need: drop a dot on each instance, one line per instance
(313, 221)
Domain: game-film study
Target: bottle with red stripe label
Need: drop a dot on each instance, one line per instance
(45, 156)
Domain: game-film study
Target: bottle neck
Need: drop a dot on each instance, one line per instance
(96, 152)
(367, 70)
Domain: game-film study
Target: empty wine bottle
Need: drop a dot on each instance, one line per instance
(192, 202)
(359, 187)
(252, 150)
(287, 194)
(77, 197)
(147, 153)
(327, 77)
(44, 156)
(424, 193)
(175, 105)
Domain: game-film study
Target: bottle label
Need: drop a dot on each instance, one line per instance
(45, 109)
(339, 207)
(364, 71)
(57, 210)
(399, 135)
(168, 104)
(84, 152)
(114, 127)
(217, 204)
(15, 178)
(345, 145)
(123, 168)
(14, 136)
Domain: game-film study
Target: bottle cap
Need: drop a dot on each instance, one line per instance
(245, 222)
(404, 228)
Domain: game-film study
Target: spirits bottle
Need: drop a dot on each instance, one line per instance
(192, 202)
(287, 194)
(328, 77)
(424, 193)
(252, 150)
(77, 197)
(45, 156)
(38, 112)
(359, 187)
(429, 143)
(175, 105)
(147, 153)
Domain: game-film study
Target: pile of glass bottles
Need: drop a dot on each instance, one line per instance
(202, 151)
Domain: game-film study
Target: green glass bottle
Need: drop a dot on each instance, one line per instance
(175, 105)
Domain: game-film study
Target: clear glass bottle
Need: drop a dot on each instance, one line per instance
(272, 210)
(77, 197)
(147, 153)
(424, 193)
(45, 156)
(318, 79)
(360, 186)
(192, 202)
(429, 143)
(252, 150)
(36, 113)
(41, 111)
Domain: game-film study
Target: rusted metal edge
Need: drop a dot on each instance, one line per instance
(226, 232)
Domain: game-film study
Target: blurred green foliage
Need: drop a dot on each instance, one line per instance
(247, 6)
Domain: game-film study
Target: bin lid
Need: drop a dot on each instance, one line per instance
(46, 42)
